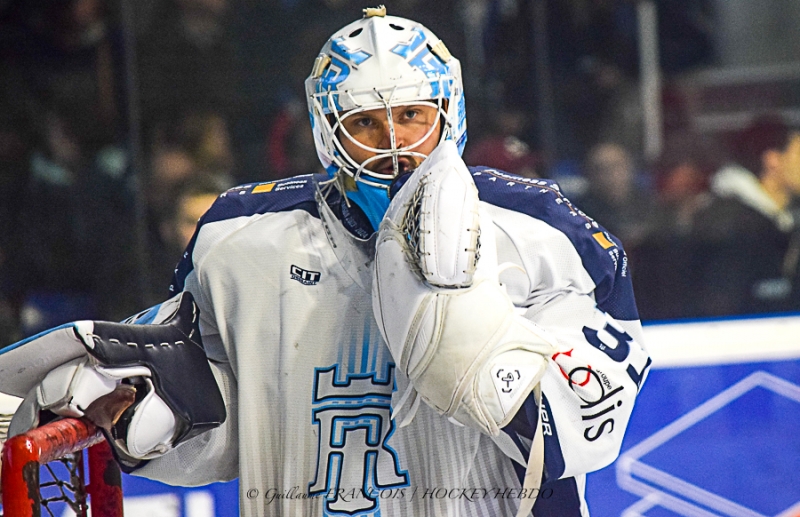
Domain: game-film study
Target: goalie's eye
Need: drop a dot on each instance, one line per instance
(412, 113)
(362, 122)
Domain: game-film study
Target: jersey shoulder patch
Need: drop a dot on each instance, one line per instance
(261, 198)
(601, 253)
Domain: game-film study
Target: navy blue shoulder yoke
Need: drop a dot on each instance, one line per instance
(601, 253)
(296, 193)
(260, 198)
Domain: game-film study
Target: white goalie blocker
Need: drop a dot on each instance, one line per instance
(54, 372)
(449, 323)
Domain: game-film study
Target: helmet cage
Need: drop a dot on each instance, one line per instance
(381, 62)
(333, 126)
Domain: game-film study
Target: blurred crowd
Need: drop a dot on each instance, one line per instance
(120, 122)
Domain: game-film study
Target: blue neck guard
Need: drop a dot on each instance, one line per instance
(374, 201)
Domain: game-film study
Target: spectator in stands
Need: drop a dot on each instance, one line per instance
(750, 240)
(188, 59)
(665, 263)
(614, 195)
(199, 142)
(183, 155)
(289, 149)
(73, 233)
(682, 174)
(64, 187)
(65, 55)
(504, 148)
(190, 199)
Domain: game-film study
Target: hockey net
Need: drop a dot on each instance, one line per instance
(45, 470)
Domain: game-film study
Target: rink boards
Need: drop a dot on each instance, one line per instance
(716, 432)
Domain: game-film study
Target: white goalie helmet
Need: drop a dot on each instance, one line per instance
(381, 61)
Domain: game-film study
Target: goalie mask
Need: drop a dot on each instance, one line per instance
(381, 62)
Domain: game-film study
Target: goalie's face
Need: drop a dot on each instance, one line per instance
(391, 141)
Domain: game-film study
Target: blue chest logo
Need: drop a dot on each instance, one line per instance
(355, 460)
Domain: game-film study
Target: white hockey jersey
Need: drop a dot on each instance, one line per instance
(283, 277)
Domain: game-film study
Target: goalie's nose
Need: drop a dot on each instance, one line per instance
(391, 130)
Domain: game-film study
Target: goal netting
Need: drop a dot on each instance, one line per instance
(65, 463)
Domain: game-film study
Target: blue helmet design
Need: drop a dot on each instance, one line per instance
(380, 62)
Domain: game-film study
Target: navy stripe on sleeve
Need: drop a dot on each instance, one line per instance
(524, 425)
(557, 497)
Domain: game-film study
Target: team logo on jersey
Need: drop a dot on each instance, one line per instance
(304, 276)
(355, 460)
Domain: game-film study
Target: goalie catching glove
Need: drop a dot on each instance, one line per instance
(176, 394)
(449, 323)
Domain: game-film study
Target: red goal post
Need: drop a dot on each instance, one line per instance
(25, 455)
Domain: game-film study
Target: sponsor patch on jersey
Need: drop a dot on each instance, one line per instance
(304, 276)
(602, 240)
(264, 187)
(278, 186)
